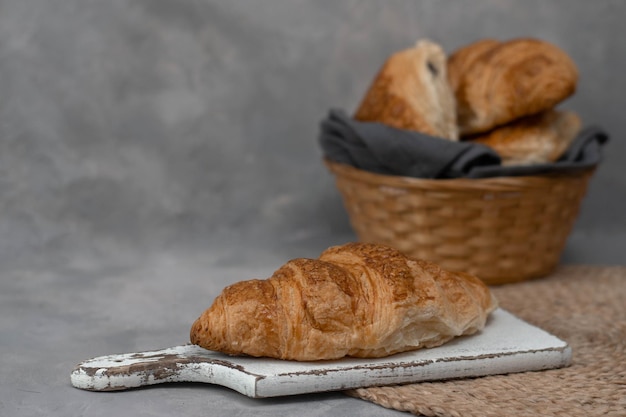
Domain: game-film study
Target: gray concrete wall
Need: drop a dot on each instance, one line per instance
(154, 151)
(129, 127)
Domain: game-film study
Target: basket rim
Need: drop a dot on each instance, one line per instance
(513, 183)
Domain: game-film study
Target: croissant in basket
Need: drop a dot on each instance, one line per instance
(536, 139)
(360, 300)
(411, 92)
(497, 82)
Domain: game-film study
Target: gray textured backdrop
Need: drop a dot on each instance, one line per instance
(153, 151)
(156, 124)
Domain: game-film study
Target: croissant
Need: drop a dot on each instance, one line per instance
(495, 82)
(536, 139)
(358, 299)
(411, 92)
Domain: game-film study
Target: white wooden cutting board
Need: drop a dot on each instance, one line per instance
(506, 345)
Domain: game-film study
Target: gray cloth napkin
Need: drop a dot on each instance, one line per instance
(382, 149)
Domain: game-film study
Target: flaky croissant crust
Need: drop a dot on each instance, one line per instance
(497, 82)
(536, 139)
(360, 300)
(411, 92)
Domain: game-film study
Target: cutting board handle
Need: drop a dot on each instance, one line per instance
(186, 363)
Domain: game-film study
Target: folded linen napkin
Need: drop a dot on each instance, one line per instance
(383, 149)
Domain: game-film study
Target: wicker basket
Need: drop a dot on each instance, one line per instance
(503, 229)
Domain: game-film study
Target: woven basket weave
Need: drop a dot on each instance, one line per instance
(503, 229)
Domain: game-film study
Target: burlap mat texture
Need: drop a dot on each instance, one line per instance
(583, 305)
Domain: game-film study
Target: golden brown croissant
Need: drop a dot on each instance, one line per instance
(534, 139)
(411, 92)
(361, 300)
(497, 82)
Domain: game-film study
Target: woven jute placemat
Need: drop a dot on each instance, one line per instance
(583, 305)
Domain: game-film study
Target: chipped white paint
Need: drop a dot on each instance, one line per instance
(506, 345)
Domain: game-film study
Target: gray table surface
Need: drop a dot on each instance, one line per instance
(55, 316)
(52, 319)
